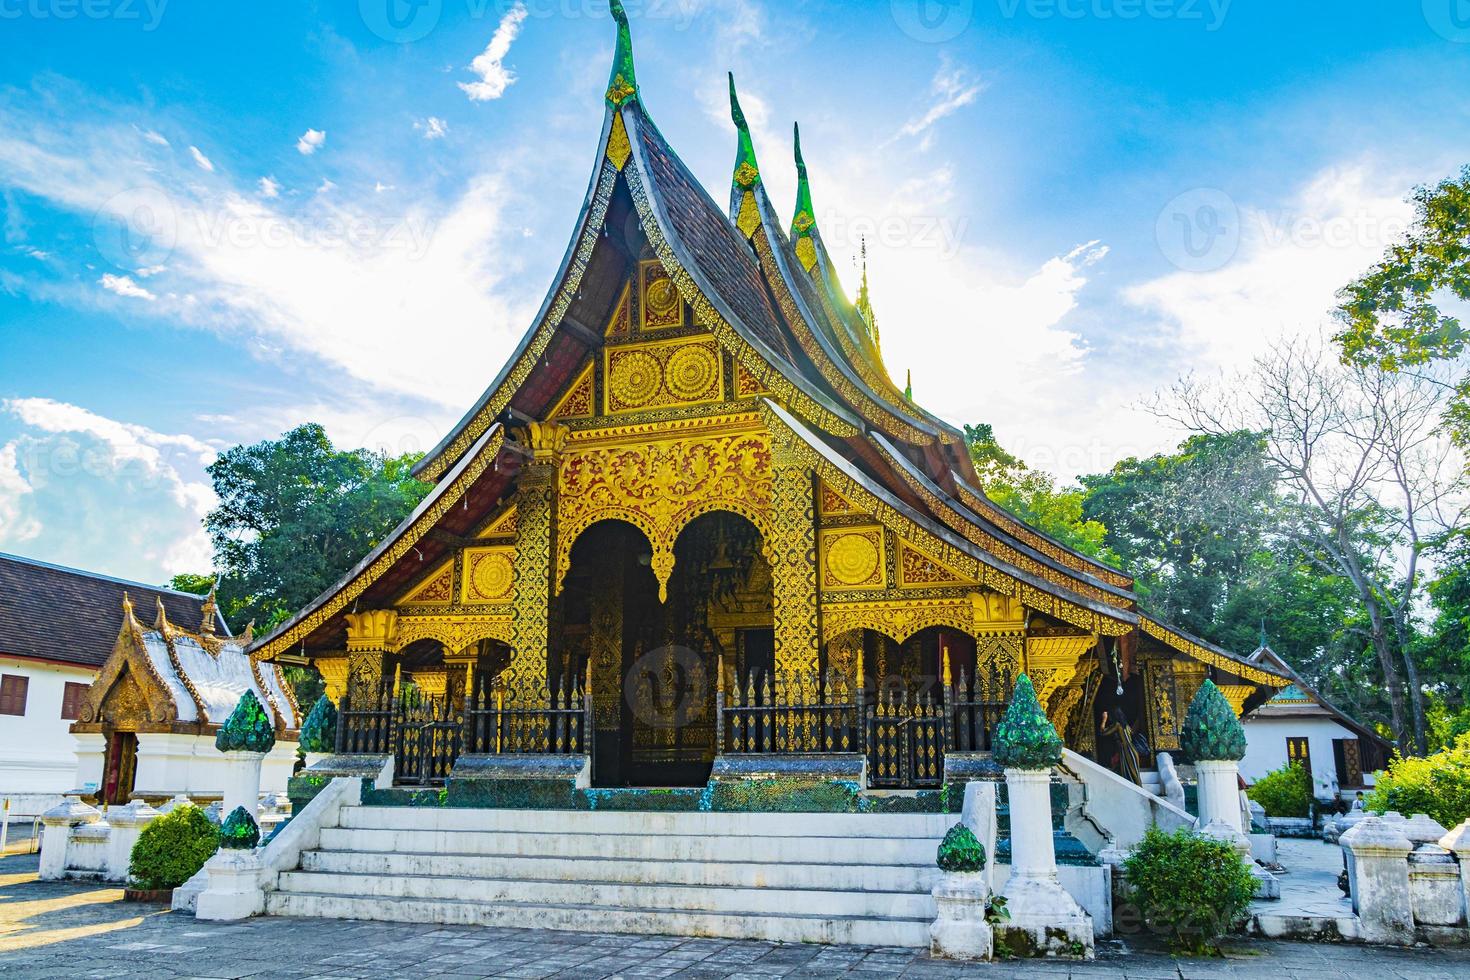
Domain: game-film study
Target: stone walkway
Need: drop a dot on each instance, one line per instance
(77, 930)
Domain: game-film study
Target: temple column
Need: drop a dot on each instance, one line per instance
(793, 557)
(370, 680)
(535, 523)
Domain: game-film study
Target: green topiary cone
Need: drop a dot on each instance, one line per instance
(1025, 739)
(239, 831)
(960, 851)
(319, 731)
(248, 729)
(1211, 731)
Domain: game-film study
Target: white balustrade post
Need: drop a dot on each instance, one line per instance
(1035, 898)
(1380, 881)
(1457, 842)
(242, 782)
(59, 821)
(127, 823)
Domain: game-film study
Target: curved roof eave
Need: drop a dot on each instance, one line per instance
(940, 531)
(493, 434)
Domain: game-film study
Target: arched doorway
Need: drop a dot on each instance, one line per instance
(655, 665)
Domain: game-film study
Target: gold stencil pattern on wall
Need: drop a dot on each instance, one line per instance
(644, 376)
(852, 558)
(488, 574)
(578, 401)
(620, 324)
(662, 306)
(834, 504)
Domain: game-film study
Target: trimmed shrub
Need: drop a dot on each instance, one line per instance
(960, 851)
(1192, 887)
(248, 729)
(1025, 739)
(239, 832)
(1437, 784)
(1211, 732)
(1286, 792)
(171, 849)
(319, 731)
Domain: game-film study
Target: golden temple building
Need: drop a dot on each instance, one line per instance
(694, 521)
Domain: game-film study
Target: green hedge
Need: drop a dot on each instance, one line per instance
(171, 849)
(1286, 792)
(1437, 784)
(1193, 887)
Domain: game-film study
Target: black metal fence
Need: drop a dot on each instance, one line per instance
(819, 715)
(563, 726)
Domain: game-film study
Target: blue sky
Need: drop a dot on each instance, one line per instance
(220, 220)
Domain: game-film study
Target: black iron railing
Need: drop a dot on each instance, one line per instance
(562, 726)
(976, 708)
(813, 715)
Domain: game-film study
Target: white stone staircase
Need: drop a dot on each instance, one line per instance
(797, 877)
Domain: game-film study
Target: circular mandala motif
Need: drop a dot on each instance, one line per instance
(636, 378)
(663, 299)
(692, 372)
(492, 576)
(852, 559)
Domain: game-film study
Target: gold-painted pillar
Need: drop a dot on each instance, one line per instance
(793, 555)
(370, 637)
(535, 528)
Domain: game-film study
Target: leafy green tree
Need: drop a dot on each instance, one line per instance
(191, 583)
(1033, 496)
(294, 515)
(1392, 316)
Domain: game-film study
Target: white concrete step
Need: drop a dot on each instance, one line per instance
(733, 874)
(758, 901)
(789, 927)
(636, 847)
(925, 825)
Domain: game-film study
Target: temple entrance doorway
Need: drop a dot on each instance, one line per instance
(121, 768)
(655, 665)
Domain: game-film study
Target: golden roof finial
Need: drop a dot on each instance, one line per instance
(161, 622)
(207, 611)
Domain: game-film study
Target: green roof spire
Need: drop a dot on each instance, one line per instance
(805, 220)
(908, 385)
(622, 86)
(746, 171)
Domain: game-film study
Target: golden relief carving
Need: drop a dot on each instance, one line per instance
(659, 486)
(662, 306)
(488, 574)
(501, 525)
(746, 383)
(643, 376)
(578, 402)
(917, 570)
(536, 504)
(852, 558)
(620, 324)
(618, 147)
(375, 629)
(1207, 656)
(1052, 661)
(334, 675)
(748, 218)
(833, 504)
(456, 633)
(792, 553)
(806, 253)
(432, 681)
(897, 620)
(437, 589)
(1237, 694)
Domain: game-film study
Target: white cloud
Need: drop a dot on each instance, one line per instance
(433, 128)
(124, 286)
(148, 272)
(85, 490)
(380, 187)
(269, 187)
(203, 161)
(154, 137)
(952, 89)
(311, 141)
(1286, 270)
(495, 78)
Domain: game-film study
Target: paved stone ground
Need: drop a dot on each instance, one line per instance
(77, 930)
(1309, 884)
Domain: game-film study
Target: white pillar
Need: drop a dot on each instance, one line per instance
(1457, 842)
(233, 891)
(241, 772)
(1220, 817)
(960, 931)
(59, 820)
(978, 814)
(1380, 881)
(1048, 918)
(127, 823)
